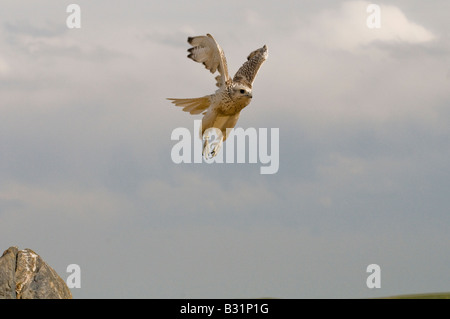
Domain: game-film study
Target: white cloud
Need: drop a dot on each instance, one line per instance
(346, 28)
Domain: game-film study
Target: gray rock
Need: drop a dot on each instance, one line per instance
(25, 275)
(7, 273)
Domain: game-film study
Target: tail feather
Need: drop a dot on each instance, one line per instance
(193, 106)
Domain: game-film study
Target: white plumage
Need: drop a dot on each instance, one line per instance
(221, 110)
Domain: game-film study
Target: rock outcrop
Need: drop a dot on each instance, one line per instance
(25, 275)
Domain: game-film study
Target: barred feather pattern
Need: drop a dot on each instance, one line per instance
(247, 73)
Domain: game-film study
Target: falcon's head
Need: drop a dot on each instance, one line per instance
(241, 93)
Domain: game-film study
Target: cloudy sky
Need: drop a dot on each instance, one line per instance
(86, 175)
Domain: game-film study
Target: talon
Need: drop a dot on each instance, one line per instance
(209, 153)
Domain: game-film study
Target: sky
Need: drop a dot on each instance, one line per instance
(87, 177)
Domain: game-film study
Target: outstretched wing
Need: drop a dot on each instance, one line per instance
(247, 73)
(207, 51)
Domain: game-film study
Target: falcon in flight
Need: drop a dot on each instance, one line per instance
(221, 110)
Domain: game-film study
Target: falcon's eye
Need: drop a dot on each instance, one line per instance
(242, 91)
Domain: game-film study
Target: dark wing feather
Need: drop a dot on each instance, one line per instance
(247, 73)
(207, 51)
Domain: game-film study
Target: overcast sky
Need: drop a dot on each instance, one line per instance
(86, 175)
